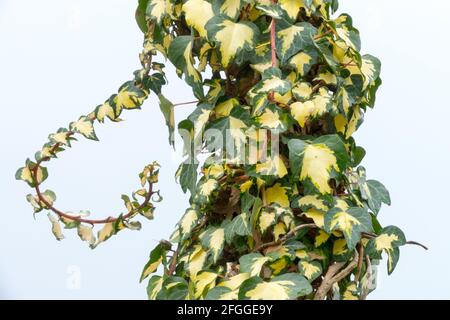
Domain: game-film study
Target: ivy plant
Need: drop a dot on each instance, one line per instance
(280, 207)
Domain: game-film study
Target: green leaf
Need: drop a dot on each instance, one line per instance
(187, 176)
(167, 110)
(180, 54)
(285, 287)
(222, 293)
(140, 15)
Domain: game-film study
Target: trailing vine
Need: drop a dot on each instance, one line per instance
(282, 208)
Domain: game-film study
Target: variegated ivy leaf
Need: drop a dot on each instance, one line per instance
(158, 9)
(373, 191)
(180, 54)
(38, 205)
(345, 30)
(187, 176)
(292, 39)
(224, 108)
(302, 91)
(240, 225)
(320, 104)
(205, 189)
(273, 118)
(273, 166)
(232, 38)
(292, 7)
(351, 222)
(156, 258)
(167, 110)
(303, 61)
(231, 131)
(196, 261)
(314, 161)
(222, 293)
(86, 234)
(351, 292)
(285, 287)
(310, 202)
(174, 288)
(26, 174)
(389, 241)
(324, 48)
(56, 227)
(188, 222)
(252, 263)
(213, 240)
(278, 194)
(154, 287)
(107, 110)
(204, 281)
(272, 10)
(129, 97)
(370, 68)
(272, 82)
(311, 270)
(62, 136)
(197, 14)
(341, 251)
(234, 282)
(84, 126)
(229, 8)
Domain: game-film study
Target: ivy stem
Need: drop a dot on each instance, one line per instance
(185, 103)
(78, 218)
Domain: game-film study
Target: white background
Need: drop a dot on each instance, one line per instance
(59, 59)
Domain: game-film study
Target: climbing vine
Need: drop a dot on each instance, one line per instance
(280, 207)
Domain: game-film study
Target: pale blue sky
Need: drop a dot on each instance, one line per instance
(59, 59)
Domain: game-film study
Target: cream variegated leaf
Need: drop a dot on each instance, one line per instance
(252, 263)
(320, 104)
(389, 240)
(56, 227)
(229, 8)
(232, 38)
(311, 270)
(293, 38)
(288, 286)
(277, 194)
(213, 240)
(155, 259)
(204, 281)
(158, 9)
(314, 161)
(351, 222)
(197, 14)
(85, 127)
